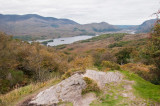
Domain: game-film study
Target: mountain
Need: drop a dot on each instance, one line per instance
(33, 26)
(101, 27)
(146, 26)
(127, 27)
(15, 18)
(48, 27)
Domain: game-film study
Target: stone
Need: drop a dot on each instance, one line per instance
(103, 78)
(68, 90)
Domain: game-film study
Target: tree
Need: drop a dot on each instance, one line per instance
(123, 56)
(152, 52)
(154, 43)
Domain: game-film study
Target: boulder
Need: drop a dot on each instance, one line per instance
(68, 90)
(102, 77)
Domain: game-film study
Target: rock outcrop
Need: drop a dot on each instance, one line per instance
(102, 78)
(70, 90)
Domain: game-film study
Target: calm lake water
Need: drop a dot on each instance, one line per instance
(67, 40)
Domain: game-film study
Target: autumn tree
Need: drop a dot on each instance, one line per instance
(152, 52)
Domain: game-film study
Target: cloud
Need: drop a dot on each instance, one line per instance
(85, 11)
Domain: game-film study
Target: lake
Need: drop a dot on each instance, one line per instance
(66, 40)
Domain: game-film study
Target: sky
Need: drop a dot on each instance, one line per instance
(116, 12)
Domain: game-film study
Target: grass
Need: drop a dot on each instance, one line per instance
(112, 97)
(11, 98)
(144, 88)
(65, 103)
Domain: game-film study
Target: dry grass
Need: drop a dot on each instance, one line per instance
(16, 95)
(137, 67)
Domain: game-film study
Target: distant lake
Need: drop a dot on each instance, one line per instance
(66, 40)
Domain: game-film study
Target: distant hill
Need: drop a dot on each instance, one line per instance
(127, 27)
(48, 27)
(33, 26)
(146, 26)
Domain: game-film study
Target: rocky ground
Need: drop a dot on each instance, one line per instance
(116, 90)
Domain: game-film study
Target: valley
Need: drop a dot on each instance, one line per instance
(48, 61)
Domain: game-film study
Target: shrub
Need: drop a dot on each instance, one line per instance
(100, 55)
(70, 72)
(119, 44)
(110, 65)
(13, 78)
(91, 86)
(4, 86)
(123, 55)
(82, 62)
(36, 62)
(145, 71)
(67, 74)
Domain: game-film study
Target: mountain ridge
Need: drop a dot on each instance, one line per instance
(39, 27)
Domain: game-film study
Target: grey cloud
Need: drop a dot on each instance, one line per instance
(85, 11)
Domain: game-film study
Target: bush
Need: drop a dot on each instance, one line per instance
(70, 72)
(145, 71)
(16, 77)
(119, 44)
(13, 78)
(91, 86)
(4, 86)
(100, 55)
(67, 74)
(82, 62)
(110, 65)
(124, 55)
(36, 62)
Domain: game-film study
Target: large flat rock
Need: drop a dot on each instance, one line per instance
(102, 77)
(70, 90)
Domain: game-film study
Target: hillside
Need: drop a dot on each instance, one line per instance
(93, 88)
(84, 73)
(39, 27)
(96, 88)
(119, 40)
(33, 26)
(146, 26)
